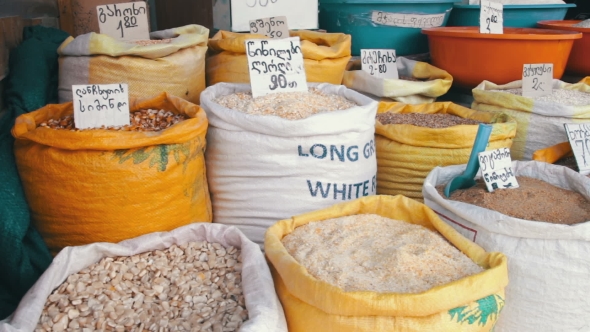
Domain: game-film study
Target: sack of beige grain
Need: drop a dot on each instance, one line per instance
(411, 140)
(285, 154)
(200, 277)
(100, 185)
(548, 260)
(540, 120)
(383, 263)
(172, 61)
(418, 83)
(325, 56)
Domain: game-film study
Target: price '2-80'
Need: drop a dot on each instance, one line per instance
(381, 68)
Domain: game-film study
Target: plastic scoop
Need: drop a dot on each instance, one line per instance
(466, 180)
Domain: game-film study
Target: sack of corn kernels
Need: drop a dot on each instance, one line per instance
(418, 83)
(111, 185)
(540, 120)
(200, 277)
(548, 262)
(286, 153)
(325, 56)
(411, 140)
(383, 264)
(173, 61)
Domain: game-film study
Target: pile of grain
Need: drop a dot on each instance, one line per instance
(437, 120)
(559, 96)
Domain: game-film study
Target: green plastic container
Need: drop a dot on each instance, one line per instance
(515, 16)
(397, 27)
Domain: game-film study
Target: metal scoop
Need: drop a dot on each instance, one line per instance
(466, 180)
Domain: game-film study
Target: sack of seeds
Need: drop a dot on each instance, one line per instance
(411, 140)
(540, 120)
(102, 185)
(383, 263)
(172, 61)
(542, 227)
(285, 154)
(200, 277)
(325, 56)
(418, 83)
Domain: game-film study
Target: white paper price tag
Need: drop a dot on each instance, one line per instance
(537, 79)
(125, 21)
(408, 20)
(275, 65)
(491, 17)
(379, 63)
(496, 169)
(272, 27)
(579, 137)
(100, 105)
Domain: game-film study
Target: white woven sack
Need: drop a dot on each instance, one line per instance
(264, 309)
(548, 264)
(260, 168)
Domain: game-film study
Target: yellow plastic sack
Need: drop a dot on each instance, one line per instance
(176, 67)
(433, 82)
(540, 123)
(554, 153)
(466, 305)
(407, 153)
(325, 56)
(585, 80)
(100, 185)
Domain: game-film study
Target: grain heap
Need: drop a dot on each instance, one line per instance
(367, 252)
(437, 120)
(142, 120)
(287, 105)
(152, 41)
(560, 96)
(191, 287)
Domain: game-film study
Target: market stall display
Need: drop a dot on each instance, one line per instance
(540, 119)
(201, 277)
(471, 57)
(548, 263)
(325, 56)
(471, 303)
(419, 82)
(265, 167)
(104, 185)
(578, 60)
(409, 147)
(176, 66)
(515, 16)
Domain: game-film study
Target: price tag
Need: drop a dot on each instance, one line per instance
(491, 17)
(125, 21)
(100, 105)
(379, 63)
(579, 137)
(537, 79)
(272, 27)
(496, 169)
(408, 20)
(275, 65)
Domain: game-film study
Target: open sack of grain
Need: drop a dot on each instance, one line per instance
(172, 61)
(540, 120)
(544, 231)
(200, 277)
(558, 154)
(285, 154)
(101, 185)
(383, 263)
(325, 56)
(419, 82)
(411, 140)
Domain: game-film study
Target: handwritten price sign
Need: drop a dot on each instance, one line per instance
(272, 27)
(379, 63)
(496, 169)
(125, 21)
(275, 65)
(537, 79)
(579, 137)
(101, 105)
(408, 20)
(491, 17)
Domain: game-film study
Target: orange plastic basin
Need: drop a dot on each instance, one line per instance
(472, 57)
(579, 61)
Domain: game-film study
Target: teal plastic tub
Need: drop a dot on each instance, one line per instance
(390, 24)
(515, 16)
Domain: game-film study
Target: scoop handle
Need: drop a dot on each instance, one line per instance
(481, 142)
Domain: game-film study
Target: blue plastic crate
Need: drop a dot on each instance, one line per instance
(515, 16)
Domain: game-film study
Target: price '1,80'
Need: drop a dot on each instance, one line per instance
(280, 81)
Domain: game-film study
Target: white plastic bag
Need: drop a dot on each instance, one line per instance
(264, 309)
(262, 169)
(548, 264)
